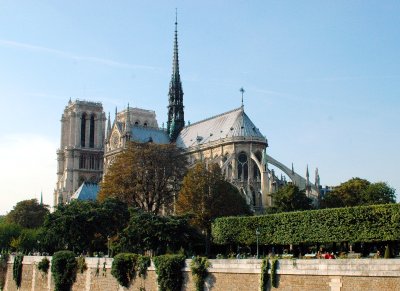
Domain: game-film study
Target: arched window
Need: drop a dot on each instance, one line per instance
(83, 130)
(91, 133)
(242, 167)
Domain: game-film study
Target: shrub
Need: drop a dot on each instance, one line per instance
(143, 263)
(274, 277)
(124, 268)
(356, 224)
(169, 271)
(44, 265)
(17, 269)
(81, 264)
(3, 268)
(264, 274)
(199, 266)
(64, 267)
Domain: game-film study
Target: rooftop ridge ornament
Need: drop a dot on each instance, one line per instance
(242, 91)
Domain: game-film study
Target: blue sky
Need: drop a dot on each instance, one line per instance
(321, 78)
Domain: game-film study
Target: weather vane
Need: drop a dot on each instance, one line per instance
(242, 91)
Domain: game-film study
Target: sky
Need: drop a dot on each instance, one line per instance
(321, 78)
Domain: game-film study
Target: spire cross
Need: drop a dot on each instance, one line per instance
(242, 91)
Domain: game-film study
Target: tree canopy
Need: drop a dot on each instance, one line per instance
(206, 195)
(357, 191)
(150, 232)
(145, 175)
(28, 214)
(291, 198)
(83, 225)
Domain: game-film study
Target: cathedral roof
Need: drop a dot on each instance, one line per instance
(234, 123)
(87, 191)
(146, 134)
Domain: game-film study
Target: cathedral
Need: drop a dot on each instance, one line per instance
(88, 146)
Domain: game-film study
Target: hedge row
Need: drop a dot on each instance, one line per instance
(352, 224)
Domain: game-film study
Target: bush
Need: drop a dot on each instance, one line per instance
(274, 277)
(64, 267)
(264, 274)
(3, 268)
(199, 266)
(17, 269)
(81, 264)
(124, 268)
(44, 265)
(354, 224)
(169, 271)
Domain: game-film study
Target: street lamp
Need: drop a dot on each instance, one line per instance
(108, 245)
(257, 234)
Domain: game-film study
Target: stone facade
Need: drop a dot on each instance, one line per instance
(80, 156)
(232, 275)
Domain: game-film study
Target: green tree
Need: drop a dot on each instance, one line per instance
(206, 195)
(145, 175)
(8, 233)
(150, 232)
(291, 198)
(83, 225)
(357, 191)
(28, 214)
(378, 193)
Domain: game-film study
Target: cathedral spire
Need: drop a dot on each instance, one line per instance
(175, 94)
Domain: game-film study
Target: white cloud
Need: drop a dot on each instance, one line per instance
(28, 166)
(68, 55)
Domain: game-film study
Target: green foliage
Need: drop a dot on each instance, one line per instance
(143, 263)
(81, 264)
(206, 195)
(264, 274)
(28, 214)
(350, 224)
(17, 269)
(63, 268)
(148, 231)
(26, 241)
(356, 192)
(199, 266)
(3, 268)
(169, 272)
(124, 268)
(274, 277)
(83, 225)
(8, 233)
(44, 265)
(145, 175)
(291, 198)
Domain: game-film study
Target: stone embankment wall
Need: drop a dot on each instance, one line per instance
(232, 275)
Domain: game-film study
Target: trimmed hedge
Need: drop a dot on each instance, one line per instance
(351, 224)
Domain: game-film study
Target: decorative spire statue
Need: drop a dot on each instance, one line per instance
(175, 105)
(128, 124)
(108, 126)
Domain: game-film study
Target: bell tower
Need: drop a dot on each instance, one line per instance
(80, 156)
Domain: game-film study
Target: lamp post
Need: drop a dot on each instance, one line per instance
(257, 234)
(108, 245)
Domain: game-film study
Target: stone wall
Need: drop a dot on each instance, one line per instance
(232, 275)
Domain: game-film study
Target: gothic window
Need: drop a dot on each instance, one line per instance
(145, 124)
(254, 198)
(242, 167)
(137, 122)
(91, 133)
(82, 161)
(83, 130)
